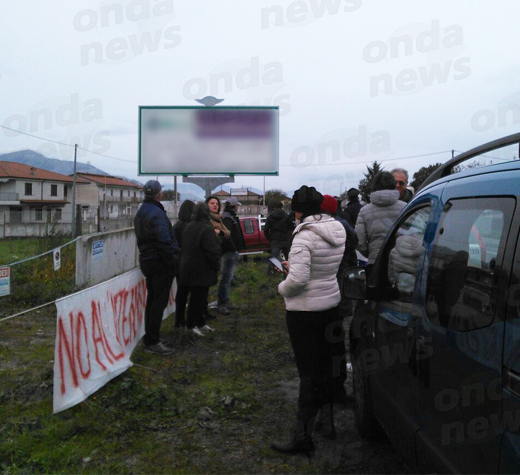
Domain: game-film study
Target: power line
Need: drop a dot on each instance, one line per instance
(367, 161)
(67, 145)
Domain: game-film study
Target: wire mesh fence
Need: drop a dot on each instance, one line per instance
(40, 270)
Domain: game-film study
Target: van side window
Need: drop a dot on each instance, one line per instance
(405, 250)
(467, 251)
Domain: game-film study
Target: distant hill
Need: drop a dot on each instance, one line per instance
(35, 159)
(66, 167)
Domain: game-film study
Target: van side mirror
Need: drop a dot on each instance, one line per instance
(354, 283)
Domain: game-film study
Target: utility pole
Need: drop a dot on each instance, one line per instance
(263, 198)
(74, 193)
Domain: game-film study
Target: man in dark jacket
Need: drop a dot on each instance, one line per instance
(353, 207)
(401, 180)
(230, 250)
(158, 257)
(329, 206)
(278, 228)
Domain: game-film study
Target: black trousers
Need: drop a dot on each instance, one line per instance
(159, 279)
(181, 299)
(197, 307)
(313, 343)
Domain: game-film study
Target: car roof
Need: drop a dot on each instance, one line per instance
(443, 173)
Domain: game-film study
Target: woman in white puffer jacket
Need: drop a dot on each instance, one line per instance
(312, 296)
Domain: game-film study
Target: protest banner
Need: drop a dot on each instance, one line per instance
(96, 331)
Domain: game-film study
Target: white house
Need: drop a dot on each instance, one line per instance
(115, 197)
(33, 195)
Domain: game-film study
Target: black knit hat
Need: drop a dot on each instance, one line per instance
(307, 201)
(353, 193)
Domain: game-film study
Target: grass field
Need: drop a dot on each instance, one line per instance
(214, 406)
(34, 282)
(13, 250)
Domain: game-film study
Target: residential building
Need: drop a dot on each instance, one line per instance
(115, 197)
(246, 196)
(34, 195)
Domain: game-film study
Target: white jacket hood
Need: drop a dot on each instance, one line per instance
(326, 227)
(314, 259)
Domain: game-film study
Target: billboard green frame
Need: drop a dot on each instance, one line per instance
(276, 143)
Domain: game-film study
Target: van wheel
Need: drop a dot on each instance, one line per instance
(366, 423)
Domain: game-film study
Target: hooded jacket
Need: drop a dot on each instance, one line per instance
(316, 253)
(375, 220)
(200, 253)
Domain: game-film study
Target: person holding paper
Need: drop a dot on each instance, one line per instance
(312, 296)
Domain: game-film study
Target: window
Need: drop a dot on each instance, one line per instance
(28, 189)
(135, 194)
(38, 214)
(54, 190)
(65, 191)
(15, 215)
(467, 252)
(57, 214)
(111, 192)
(248, 226)
(404, 252)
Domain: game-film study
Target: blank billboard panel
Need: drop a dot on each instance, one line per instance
(208, 140)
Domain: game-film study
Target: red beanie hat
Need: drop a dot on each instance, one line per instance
(329, 204)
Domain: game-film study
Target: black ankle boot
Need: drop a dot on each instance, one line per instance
(295, 446)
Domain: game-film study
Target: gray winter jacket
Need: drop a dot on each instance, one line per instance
(375, 220)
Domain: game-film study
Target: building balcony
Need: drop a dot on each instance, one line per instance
(118, 199)
(9, 198)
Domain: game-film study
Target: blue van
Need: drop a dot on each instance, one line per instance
(435, 338)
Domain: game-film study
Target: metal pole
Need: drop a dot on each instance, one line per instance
(74, 193)
(175, 195)
(263, 198)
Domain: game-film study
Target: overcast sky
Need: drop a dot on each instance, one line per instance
(401, 82)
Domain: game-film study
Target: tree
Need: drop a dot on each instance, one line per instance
(274, 196)
(365, 185)
(169, 195)
(422, 174)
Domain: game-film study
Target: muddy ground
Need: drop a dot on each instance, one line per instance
(214, 406)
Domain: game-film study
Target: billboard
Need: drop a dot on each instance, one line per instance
(208, 140)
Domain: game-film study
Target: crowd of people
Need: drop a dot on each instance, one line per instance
(316, 242)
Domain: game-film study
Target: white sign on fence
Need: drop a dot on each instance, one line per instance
(5, 281)
(97, 330)
(56, 255)
(97, 250)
